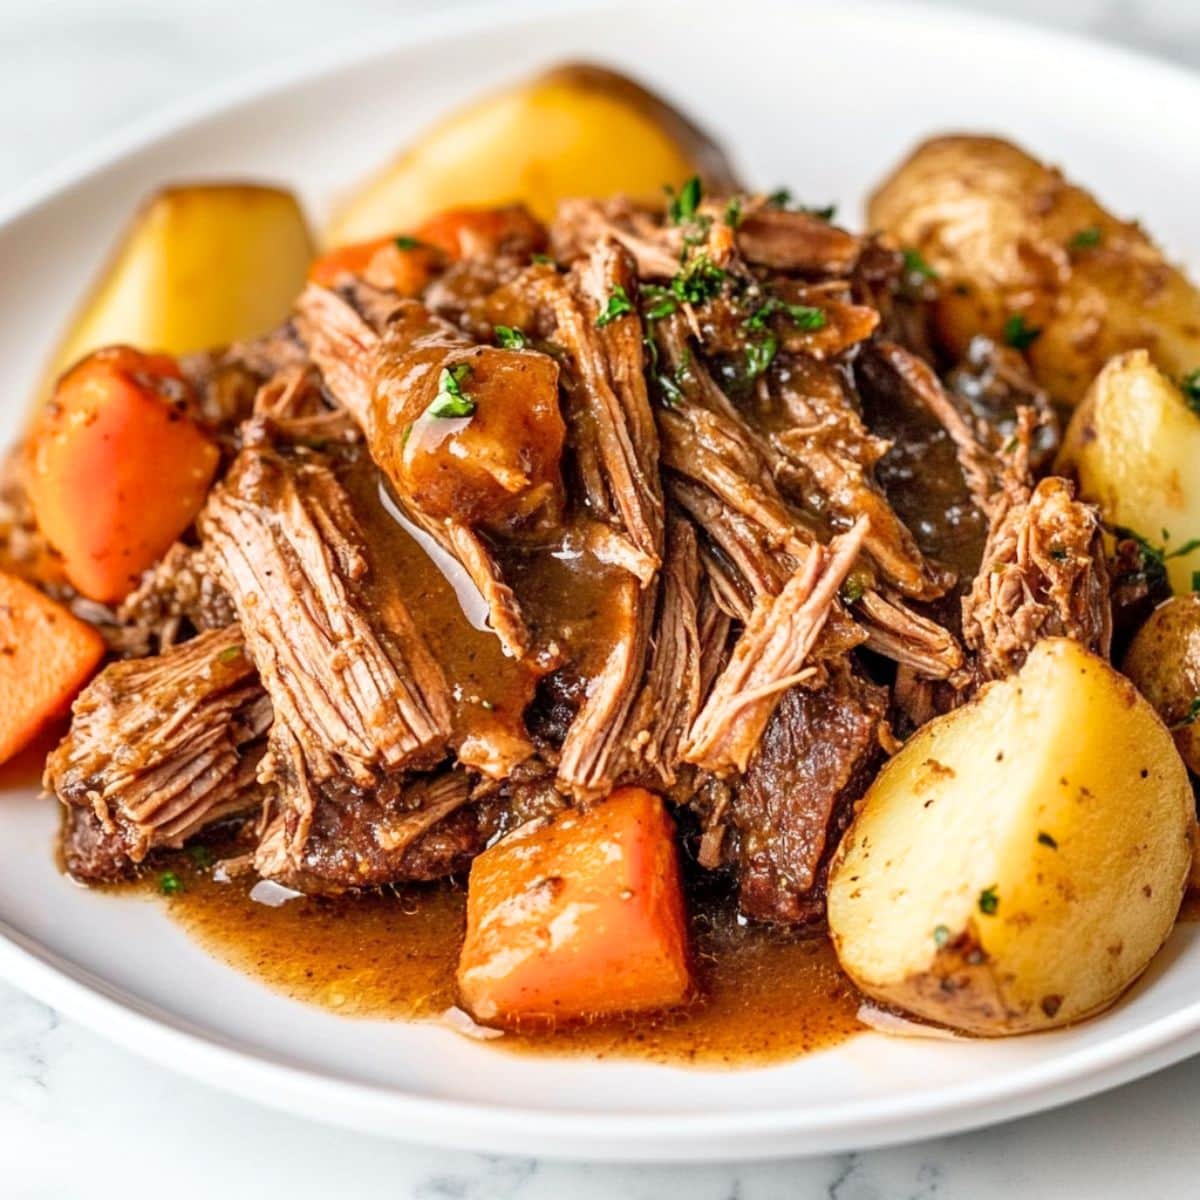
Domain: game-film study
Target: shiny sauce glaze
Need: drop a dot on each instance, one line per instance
(763, 995)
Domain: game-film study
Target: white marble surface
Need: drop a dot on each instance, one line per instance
(81, 1118)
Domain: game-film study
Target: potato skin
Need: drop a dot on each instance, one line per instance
(1134, 445)
(1008, 234)
(1021, 860)
(576, 130)
(1163, 660)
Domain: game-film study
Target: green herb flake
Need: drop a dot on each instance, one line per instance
(672, 394)
(1189, 385)
(1018, 334)
(1196, 581)
(805, 317)
(699, 281)
(989, 901)
(941, 935)
(733, 212)
(619, 304)
(1044, 839)
(760, 355)
(452, 399)
(543, 258)
(1190, 717)
(657, 302)
(1085, 239)
(915, 264)
(169, 883)
(201, 856)
(230, 654)
(825, 212)
(509, 338)
(683, 205)
(780, 198)
(852, 590)
(408, 243)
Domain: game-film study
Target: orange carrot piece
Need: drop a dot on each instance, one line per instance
(577, 918)
(475, 232)
(46, 656)
(117, 469)
(405, 265)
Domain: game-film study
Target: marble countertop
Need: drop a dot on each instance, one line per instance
(79, 1117)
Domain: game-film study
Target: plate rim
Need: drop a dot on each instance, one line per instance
(776, 1131)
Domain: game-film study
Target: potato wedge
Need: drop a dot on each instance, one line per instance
(1009, 236)
(1134, 446)
(576, 130)
(1163, 660)
(200, 266)
(1022, 859)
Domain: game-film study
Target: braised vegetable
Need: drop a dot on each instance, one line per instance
(574, 131)
(200, 266)
(46, 656)
(1164, 661)
(1134, 444)
(1025, 256)
(117, 468)
(577, 917)
(1019, 862)
(402, 264)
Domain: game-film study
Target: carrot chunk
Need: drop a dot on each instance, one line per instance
(405, 265)
(46, 656)
(577, 918)
(117, 469)
(482, 232)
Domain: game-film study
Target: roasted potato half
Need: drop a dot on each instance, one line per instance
(577, 130)
(1134, 445)
(1013, 241)
(200, 265)
(1021, 859)
(1164, 661)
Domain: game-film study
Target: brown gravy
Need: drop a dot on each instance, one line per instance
(765, 995)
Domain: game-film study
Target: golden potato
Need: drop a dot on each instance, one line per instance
(1021, 859)
(1164, 661)
(1010, 238)
(200, 266)
(1134, 446)
(574, 131)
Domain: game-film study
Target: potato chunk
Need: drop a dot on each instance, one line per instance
(1135, 447)
(1163, 660)
(1010, 238)
(1020, 861)
(200, 266)
(574, 131)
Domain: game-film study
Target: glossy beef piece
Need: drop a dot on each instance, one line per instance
(789, 809)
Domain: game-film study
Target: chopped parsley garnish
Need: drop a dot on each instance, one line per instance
(169, 883)
(804, 315)
(1189, 385)
(780, 198)
(619, 304)
(1044, 839)
(733, 212)
(699, 281)
(201, 856)
(760, 355)
(1196, 581)
(543, 258)
(989, 901)
(657, 302)
(683, 205)
(1191, 716)
(1085, 239)
(408, 243)
(230, 654)
(452, 399)
(941, 935)
(915, 264)
(510, 338)
(852, 590)
(825, 213)
(1018, 335)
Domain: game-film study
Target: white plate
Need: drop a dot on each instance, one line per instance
(820, 96)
